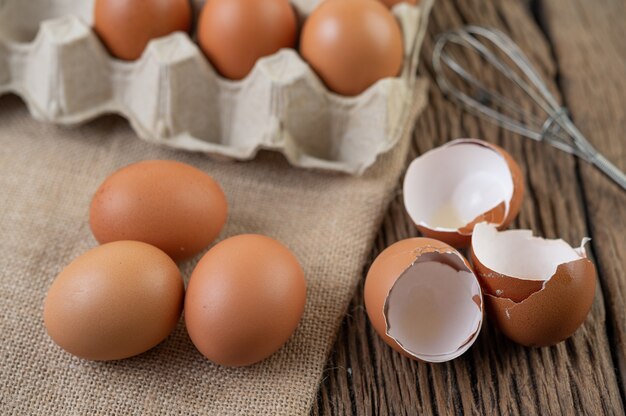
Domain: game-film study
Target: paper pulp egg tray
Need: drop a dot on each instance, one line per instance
(50, 56)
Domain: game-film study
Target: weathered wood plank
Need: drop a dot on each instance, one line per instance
(496, 376)
(593, 80)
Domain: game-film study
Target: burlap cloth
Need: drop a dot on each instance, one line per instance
(47, 177)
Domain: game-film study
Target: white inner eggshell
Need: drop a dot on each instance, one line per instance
(517, 253)
(448, 187)
(432, 310)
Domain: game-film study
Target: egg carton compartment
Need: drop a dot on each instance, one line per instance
(50, 56)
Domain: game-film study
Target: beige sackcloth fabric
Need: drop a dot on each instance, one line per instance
(47, 177)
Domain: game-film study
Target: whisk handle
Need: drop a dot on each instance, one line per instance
(609, 169)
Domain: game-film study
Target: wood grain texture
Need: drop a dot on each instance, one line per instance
(579, 48)
(592, 73)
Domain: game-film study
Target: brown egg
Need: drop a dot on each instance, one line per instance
(234, 34)
(423, 299)
(168, 204)
(244, 300)
(351, 44)
(448, 190)
(115, 301)
(126, 26)
(391, 3)
(537, 291)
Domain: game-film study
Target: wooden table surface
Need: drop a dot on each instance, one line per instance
(579, 46)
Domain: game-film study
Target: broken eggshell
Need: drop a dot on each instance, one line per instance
(453, 187)
(537, 291)
(424, 300)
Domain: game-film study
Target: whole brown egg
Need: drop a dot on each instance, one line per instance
(234, 34)
(171, 205)
(115, 301)
(126, 26)
(244, 300)
(351, 44)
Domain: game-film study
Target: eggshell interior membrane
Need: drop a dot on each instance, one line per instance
(434, 309)
(448, 187)
(517, 253)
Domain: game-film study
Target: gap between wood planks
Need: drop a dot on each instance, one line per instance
(565, 198)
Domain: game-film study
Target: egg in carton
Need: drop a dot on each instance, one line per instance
(50, 56)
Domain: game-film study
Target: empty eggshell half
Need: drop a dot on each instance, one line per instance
(537, 291)
(453, 187)
(424, 300)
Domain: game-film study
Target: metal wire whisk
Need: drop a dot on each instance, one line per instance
(556, 128)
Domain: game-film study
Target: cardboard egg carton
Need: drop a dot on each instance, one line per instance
(50, 56)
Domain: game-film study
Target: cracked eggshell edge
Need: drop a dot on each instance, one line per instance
(551, 314)
(462, 237)
(396, 260)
